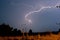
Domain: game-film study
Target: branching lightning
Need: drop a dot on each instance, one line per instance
(42, 8)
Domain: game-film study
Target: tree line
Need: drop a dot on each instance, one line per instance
(6, 30)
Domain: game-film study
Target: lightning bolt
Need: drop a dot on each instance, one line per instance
(42, 8)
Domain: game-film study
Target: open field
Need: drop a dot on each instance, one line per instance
(35, 37)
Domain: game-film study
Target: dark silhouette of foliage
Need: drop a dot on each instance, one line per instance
(15, 31)
(59, 30)
(6, 30)
(19, 32)
(58, 6)
(30, 31)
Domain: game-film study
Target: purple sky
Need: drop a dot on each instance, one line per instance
(13, 12)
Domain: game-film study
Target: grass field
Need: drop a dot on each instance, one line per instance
(35, 37)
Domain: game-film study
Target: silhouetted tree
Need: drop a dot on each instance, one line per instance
(19, 32)
(5, 29)
(15, 32)
(58, 6)
(59, 30)
(30, 31)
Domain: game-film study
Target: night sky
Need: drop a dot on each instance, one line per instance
(13, 12)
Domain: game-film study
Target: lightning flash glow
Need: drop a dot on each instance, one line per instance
(42, 8)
